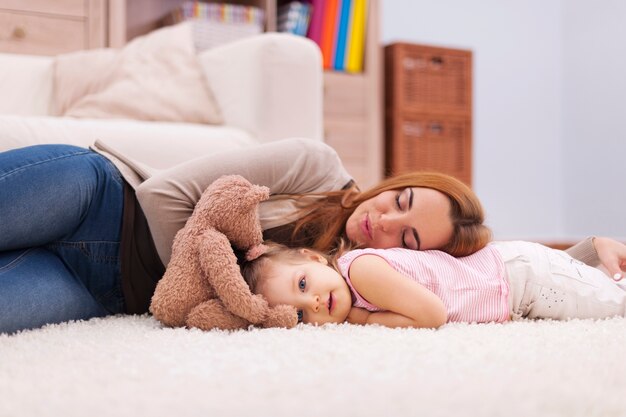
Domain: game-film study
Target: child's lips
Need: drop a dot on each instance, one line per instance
(331, 303)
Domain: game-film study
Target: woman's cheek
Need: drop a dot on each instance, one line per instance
(350, 229)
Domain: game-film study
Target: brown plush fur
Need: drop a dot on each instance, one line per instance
(202, 286)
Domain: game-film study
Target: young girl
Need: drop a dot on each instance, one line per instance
(407, 288)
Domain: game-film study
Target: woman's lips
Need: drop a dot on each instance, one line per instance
(366, 227)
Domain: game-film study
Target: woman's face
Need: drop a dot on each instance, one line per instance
(414, 217)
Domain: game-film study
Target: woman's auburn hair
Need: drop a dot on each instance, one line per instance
(325, 218)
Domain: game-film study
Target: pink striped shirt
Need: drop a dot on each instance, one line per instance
(472, 288)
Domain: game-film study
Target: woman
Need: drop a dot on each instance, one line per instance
(75, 243)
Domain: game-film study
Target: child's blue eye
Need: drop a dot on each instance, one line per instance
(300, 316)
(302, 283)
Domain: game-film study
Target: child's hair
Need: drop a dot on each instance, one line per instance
(256, 271)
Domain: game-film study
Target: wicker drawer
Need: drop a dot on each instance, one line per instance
(420, 142)
(38, 34)
(428, 79)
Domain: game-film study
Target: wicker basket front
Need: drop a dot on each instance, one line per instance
(421, 142)
(428, 79)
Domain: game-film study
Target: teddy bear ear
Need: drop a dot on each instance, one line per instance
(260, 192)
(283, 316)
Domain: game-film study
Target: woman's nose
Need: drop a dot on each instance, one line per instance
(387, 222)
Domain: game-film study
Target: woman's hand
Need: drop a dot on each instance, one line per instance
(612, 255)
(358, 315)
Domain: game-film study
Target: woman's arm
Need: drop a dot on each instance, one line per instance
(289, 166)
(408, 303)
(603, 251)
(585, 251)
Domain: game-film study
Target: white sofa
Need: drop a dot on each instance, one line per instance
(268, 87)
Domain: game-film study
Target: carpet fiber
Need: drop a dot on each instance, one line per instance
(130, 366)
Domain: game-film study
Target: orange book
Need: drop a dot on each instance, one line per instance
(329, 26)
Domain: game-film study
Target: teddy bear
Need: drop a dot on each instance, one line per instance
(202, 286)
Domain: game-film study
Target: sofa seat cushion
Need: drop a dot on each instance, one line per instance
(180, 141)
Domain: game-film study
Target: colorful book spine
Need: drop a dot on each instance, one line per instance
(219, 12)
(342, 35)
(356, 45)
(328, 32)
(293, 18)
(349, 35)
(317, 18)
(305, 29)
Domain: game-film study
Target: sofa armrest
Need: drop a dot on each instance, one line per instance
(26, 84)
(270, 85)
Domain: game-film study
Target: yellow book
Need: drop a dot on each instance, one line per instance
(357, 37)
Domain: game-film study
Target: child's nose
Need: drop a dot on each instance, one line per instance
(315, 303)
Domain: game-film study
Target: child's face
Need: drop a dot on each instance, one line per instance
(312, 287)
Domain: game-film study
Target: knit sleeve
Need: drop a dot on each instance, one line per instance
(290, 166)
(585, 252)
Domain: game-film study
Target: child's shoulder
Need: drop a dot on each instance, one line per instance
(346, 259)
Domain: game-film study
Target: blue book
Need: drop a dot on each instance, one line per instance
(342, 35)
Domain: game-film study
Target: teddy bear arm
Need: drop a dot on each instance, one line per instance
(213, 314)
(220, 267)
(174, 297)
(281, 316)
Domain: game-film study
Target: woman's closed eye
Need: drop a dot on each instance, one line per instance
(410, 239)
(404, 199)
(398, 203)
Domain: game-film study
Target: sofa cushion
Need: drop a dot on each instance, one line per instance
(26, 84)
(146, 141)
(154, 77)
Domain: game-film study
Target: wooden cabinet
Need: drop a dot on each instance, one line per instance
(50, 27)
(428, 110)
(43, 27)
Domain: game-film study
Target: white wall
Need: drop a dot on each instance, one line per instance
(527, 165)
(594, 123)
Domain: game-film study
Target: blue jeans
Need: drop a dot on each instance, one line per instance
(60, 226)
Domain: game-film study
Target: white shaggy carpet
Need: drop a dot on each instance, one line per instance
(130, 366)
